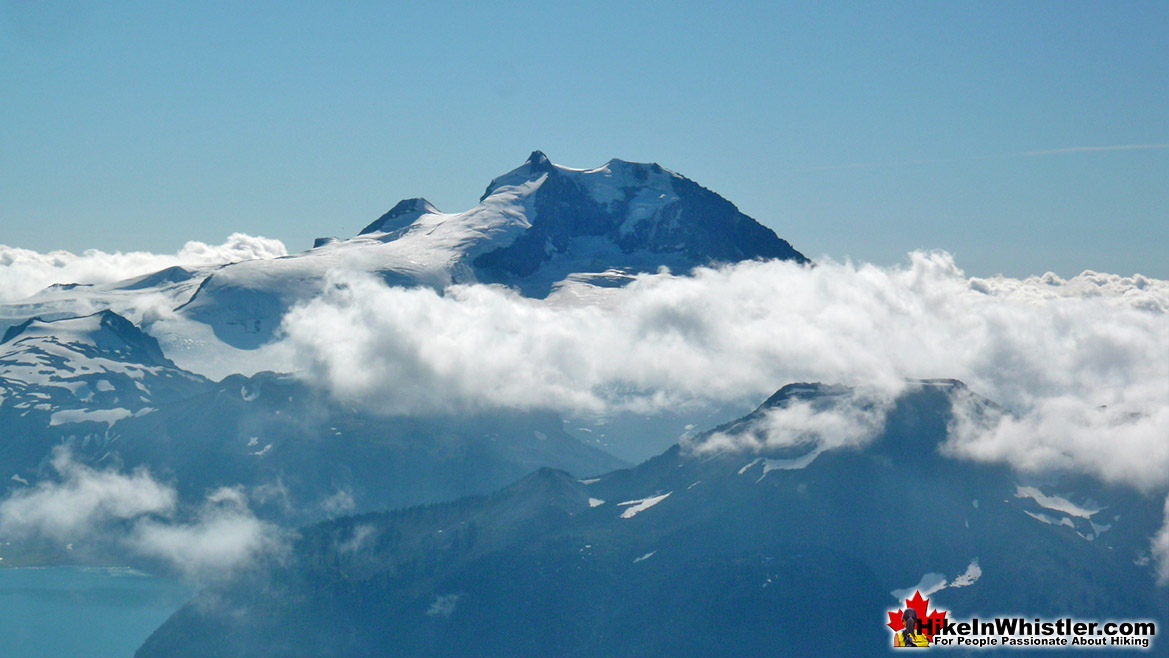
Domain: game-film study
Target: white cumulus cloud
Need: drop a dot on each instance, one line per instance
(23, 272)
(81, 500)
(1081, 365)
(1075, 360)
(136, 511)
(223, 535)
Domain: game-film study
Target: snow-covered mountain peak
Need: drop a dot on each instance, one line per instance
(803, 391)
(624, 215)
(404, 213)
(537, 160)
(98, 369)
(612, 181)
(538, 226)
(645, 187)
(104, 333)
(533, 169)
(535, 227)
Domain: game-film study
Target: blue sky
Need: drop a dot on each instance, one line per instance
(859, 130)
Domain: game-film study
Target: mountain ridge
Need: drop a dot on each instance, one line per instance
(537, 227)
(534, 227)
(100, 387)
(770, 559)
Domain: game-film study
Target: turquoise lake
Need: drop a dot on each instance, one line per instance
(82, 612)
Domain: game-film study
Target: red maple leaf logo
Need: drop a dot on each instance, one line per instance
(919, 606)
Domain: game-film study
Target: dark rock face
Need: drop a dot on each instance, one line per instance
(644, 209)
(536, 227)
(713, 228)
(403, 212)
(112, 335)
(712, 554)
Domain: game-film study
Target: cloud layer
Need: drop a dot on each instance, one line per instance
(1081, 364)
(23, 272)
(1075, 359)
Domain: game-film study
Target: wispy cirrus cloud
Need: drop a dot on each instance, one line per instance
(992, 156)
(1092, 149)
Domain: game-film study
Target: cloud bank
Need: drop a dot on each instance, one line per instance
(1074, 360)
(24, 272)
(141, 514)
(1081, 365)
(1122, 438)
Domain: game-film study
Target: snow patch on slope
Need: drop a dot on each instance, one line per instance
(1054, 503)
(935, 582)
(640, 505)
(107, 416)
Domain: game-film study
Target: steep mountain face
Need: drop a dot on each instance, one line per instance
(536, 227)
(77, 378)
(792, 550)
(274, 431)
(626, 216)
(533, 227)
(137, 299)
(102, 387)
(64, 354)
(622, 215)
